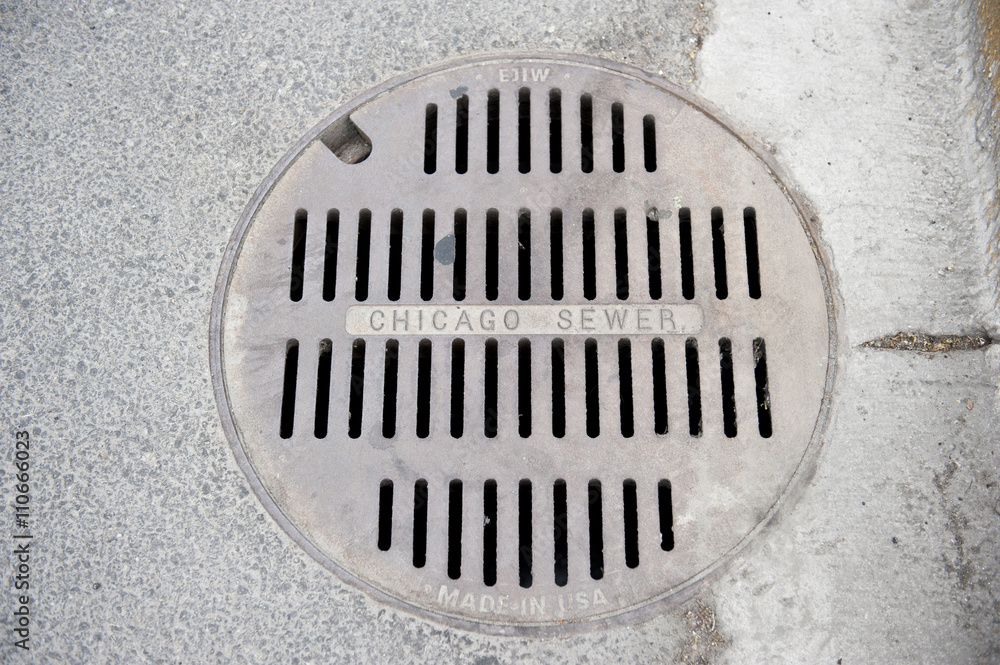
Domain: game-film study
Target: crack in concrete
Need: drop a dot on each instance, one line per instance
(925, 343)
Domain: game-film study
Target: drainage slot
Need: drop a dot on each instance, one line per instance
(288, 393)
(458, 280)
(364, 250)
(653, 254)
(625, 387)
(666, 516)
(524, 388)
(420, 523)
(298, 255)
(560, 532)
(455, 529)
(524, 130)
(694, 386)
(390, 382)
(524, 254)
(385, 515)
(596, 515)
(589, 256)
(462, 134)
(621, 254)
(323, 389)
(763, 394)
(493, 131)
(618, 137)
(427, 257)
(593, 399)
(524, 532)
(649, 142)
(424, 389)
(330, 255)
(395, 253)
(631, 519)
(586, 133)
(490, 532)
(728, 387)
(558, 388)
(492, 253)
(556, 252)
(491, 378)
(555, 130)
(356, 401)
(753, 258)
(659, 387)
(457, 388)
(687, 256)
(430, 138)
(719, 254)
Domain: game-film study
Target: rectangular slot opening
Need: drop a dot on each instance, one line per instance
(298, 255)
(523, 254)
(763, 393)
(492, 253)
(330, 255)
(589, 256)
(560, 532)
(524, 130)
(524, 533)
(653, 254)
(427, 257)
(687, 254)
(693, 386)
(462, 134)
(493, 131)
(288, 390)
(420, 523)
(424, 389)
(555, 130)
(385, 515)
(390, 382)
(556, 252)
(666, 516)
(728, 387)
(356, 399)
(586, 133)
(457, 388)
(364, 255)
(649, 142)
(524, 387)
(621, 254)
(618, 137)
(455, 529)
(395, 254)
(430, 138)
(461, 247)
(323, 389)
(660, 425)
(491, 378)
(596, 515)
(593, 388)
(490, 532)
(753, 257)
(625, 387)
(719, 254)
(558, 388)
(631, 519)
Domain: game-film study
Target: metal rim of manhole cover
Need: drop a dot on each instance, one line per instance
(524, 344)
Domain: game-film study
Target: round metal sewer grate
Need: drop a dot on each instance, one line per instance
(523, 343)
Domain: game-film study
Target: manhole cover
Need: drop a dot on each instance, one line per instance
(523, 343)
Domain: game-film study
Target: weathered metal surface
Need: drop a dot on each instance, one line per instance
(365, 168)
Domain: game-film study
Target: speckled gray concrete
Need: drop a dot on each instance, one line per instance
(132, 137)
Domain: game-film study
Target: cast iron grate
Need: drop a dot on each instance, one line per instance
(490, 343)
